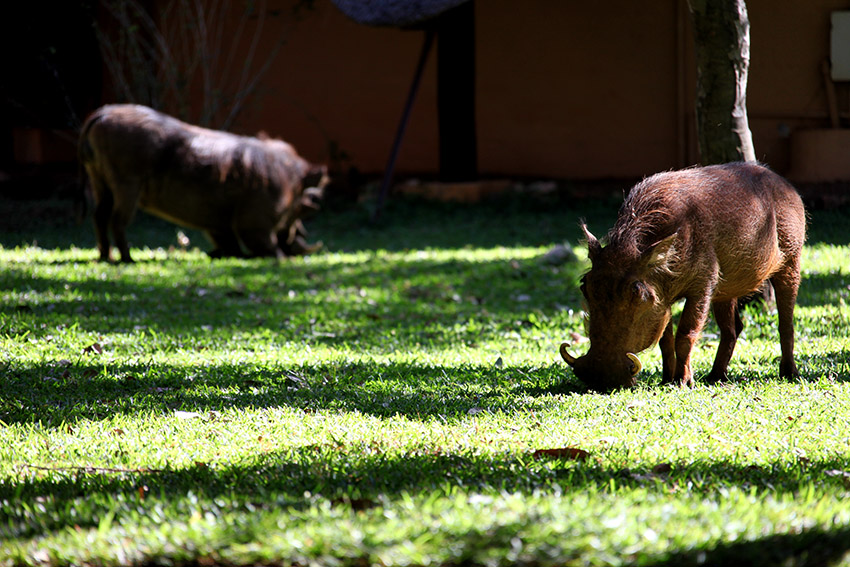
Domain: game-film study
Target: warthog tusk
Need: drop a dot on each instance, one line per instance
(568, 358)
(636, 365)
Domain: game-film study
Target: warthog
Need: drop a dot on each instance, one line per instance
(708, 235)
(241, 191)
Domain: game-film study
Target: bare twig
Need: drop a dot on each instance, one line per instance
(242, 96)
(92, 470)
(158, 59)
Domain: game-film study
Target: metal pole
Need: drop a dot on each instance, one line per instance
(414, 87)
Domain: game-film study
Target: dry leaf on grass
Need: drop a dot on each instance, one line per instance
(571, 453)
(94, 347)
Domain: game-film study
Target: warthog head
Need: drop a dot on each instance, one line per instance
(625, 310)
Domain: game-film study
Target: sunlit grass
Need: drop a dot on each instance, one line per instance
(383, 401)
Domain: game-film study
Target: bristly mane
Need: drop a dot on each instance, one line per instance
(248, 161)
(255, 163)
(646, 216)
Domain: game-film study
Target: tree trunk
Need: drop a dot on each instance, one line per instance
(722, 36)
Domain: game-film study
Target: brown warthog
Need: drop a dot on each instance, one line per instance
(241, 191)
(708, 235)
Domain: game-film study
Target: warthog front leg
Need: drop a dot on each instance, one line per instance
(667, 344)
(260, 243)
(693, 318)
(293, 240)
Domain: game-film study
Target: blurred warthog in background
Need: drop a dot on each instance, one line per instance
(247, 194)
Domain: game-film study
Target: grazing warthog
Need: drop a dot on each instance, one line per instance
(708, 235)
(241, 191)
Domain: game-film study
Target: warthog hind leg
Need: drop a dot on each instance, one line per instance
(785, 284)
(225, 244)
(728, 319)
(102, 214)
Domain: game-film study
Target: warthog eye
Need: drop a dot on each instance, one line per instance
(642, 292)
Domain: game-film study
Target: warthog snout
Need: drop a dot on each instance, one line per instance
(602, 373)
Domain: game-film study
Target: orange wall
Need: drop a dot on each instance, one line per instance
(575, 90)
(336, 80)
(565, 88)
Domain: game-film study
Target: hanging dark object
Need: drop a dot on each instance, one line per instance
(452, 23)
(395, 13)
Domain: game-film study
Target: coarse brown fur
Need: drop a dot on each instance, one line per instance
(708, 235)
(241, 191)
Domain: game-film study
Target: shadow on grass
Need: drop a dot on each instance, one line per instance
(60, 393)
(419, 302)
(406, 224)
(833, 365)
(829, 226)
(809, 548)
(423, 301)
(823, 288)
(507, 221)
(356, 477)
(372, 303)
(55, 394)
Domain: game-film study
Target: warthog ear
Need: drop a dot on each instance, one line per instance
(593, 246)
(311, 197)
(660, 254)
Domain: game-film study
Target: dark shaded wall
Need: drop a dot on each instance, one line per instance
(563, 89)
(51, 78)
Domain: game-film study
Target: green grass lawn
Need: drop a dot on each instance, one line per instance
(391, 401)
